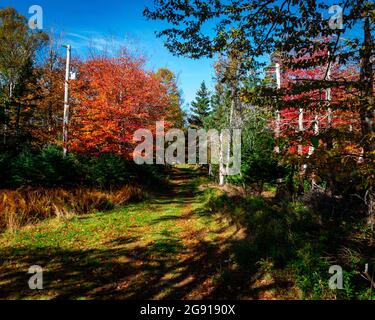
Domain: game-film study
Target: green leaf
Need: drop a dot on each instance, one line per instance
(315, 142)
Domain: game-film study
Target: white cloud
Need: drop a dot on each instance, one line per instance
(95, 41)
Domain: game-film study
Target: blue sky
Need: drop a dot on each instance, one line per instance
(91, 22)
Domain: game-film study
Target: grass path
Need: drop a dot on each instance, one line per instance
(144, 250)
(160, 249)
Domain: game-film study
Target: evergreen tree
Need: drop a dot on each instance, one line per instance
(200, 108)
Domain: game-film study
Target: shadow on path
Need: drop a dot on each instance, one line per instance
(176, 266)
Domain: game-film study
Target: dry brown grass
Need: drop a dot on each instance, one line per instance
(28, 205)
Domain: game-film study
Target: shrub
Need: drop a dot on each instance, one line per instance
(106, 171)
(48, 168)
(27, 205)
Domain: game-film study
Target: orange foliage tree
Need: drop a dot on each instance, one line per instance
(112, 98)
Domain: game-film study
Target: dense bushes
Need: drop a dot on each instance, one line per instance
(292, 237)
(48, 168)
(27, 205)
(37, 185)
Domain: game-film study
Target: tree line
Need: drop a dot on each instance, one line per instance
(113, 96)
(301, 91)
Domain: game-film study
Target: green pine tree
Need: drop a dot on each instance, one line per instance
(200, 108)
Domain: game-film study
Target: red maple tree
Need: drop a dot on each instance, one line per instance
(113, 98)
(310, 108)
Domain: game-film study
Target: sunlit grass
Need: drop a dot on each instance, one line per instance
(158, 228)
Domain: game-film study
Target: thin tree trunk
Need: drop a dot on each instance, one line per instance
(221, 163)
(367, 79)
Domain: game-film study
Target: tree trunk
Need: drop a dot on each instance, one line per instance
(367, 79)
(221, 163)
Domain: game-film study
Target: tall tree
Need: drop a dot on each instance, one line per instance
(263, 27)
(18, 48)
(113, 98)
(51, 79)
(169, 80)
(291, 28)
(227, 107)
(200, 108)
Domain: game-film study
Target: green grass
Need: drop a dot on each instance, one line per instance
(182, 243)
(91, 256)
(89, 231)
(171, 246)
